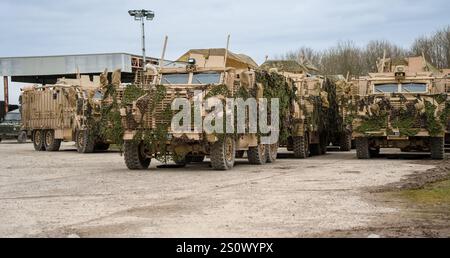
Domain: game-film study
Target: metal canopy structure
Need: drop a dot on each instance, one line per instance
(47, 69)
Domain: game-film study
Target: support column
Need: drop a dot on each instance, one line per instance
(6, 93)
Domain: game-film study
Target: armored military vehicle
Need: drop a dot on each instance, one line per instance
(206, 74)
(10, 127)
(305, 126)
(70, 110)
(405, 107)
(344, 94)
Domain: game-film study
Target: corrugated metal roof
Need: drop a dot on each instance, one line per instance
(64, 64)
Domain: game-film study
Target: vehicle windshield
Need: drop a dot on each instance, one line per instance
(12, 117)
(386, 88)
(177, 78)
(98, 95)
(206, 78)
(414, 87)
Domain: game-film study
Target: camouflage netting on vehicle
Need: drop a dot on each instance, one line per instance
(155, 139)
(335, 120)
(276, 86)
(110, 125)
(408, 119)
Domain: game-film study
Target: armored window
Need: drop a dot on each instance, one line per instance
(206, 78)
(414, 87)
(386, 88)
(98, 95)
(178, 78)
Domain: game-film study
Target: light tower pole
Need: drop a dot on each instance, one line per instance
(142, 15)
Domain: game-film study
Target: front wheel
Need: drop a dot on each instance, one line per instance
(135, 155)
(437, 148)
(301, 147)
(223, 153)
(85, 142)
(362, 148)
(272, 152)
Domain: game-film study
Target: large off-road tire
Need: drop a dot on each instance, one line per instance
(38, 140)
(362, 148)
(257, 155)
(437, 145)
(223, 153)
(272, 152)
(240, 154)
(50, 143)
(102, 146)
(85, 141)
(22, 138)
(135, 158)
(346, 142)
(301, 147)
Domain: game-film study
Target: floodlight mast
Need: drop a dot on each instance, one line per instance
(142, 15)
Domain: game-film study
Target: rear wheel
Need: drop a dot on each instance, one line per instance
(301, 147)
(362, 148)
(437, 147)
(85, 142)
(50, 143)
(257, 155)
(223, 153)
(38, 140)
(135, 157)
(346, 142)
(271, 152)
(22, 138)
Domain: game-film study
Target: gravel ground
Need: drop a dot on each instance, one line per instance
(64, 194)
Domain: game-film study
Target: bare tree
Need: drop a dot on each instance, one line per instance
(375, 49)
(342, 59)
(346, 57)
(435, 48)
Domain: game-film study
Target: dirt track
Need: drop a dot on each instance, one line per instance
(68, 194)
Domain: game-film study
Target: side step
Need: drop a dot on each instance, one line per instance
(447, 148)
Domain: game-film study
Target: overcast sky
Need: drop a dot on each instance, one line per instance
(257, 27)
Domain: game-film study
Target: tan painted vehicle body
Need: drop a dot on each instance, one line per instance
(61, 112)
(403, 108)
(193, 146)
(308, 114)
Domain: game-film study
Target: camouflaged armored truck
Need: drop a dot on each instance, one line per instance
(304, 123)
(69, 110)
(343, 109)
(405, 107)
(205, 73)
